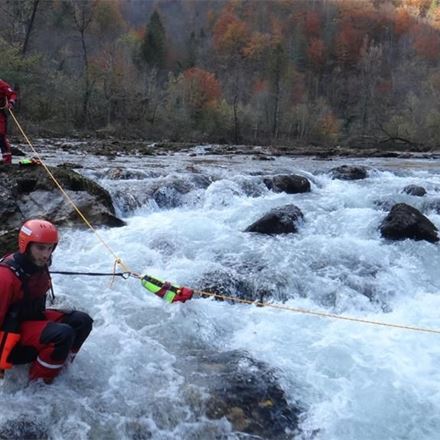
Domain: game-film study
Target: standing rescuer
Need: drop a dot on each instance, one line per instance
(30, 333)
(7, 101)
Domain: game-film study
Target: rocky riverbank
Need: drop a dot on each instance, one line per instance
(115, 147)
(29, 192)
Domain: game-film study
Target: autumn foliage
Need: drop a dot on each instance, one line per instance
(202, 88)
(281, 71)
(316, 52)
(313, 24)
(348, 44)
(426, 42)
(230, 34)
(402, 21)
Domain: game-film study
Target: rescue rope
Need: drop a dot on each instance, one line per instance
(127, 272)
(117, 260)
(316, 313)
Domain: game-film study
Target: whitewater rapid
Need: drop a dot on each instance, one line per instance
(352, 380)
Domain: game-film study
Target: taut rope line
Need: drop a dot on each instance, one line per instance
(317, 313)
(68, 198)
(118, 261)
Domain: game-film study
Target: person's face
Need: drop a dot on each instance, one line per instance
(40, 253)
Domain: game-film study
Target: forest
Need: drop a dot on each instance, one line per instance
(357, 73)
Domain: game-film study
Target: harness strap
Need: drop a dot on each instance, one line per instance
(124, 275)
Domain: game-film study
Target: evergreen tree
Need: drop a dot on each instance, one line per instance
(154, 44)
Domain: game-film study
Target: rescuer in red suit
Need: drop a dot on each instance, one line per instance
(7, 100)
(30, 333)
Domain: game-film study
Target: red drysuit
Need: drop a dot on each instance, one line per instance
(47, 336)
(7, 100)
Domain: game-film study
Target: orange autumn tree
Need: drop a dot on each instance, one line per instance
(230, 39)
(426, 42)
(316, 53)
(329, 126)
(202, 90)
(434, 16)
(348, 44)
(402, 21)
(421, 6)
(109, 20)
(312, 25)
(230, 34)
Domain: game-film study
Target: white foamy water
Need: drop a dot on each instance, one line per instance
(352, 380)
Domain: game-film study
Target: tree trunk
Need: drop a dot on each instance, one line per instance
(29, 28)
(86, 96)
(276, 108)
(236, 126)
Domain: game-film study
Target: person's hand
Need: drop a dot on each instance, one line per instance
(183, 294)
(11, 104)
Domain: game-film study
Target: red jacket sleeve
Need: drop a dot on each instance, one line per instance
(9, 291)
(7, 91)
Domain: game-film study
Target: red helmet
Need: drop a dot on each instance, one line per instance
(36, 231)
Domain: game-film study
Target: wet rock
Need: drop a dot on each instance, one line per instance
(289, 184)
(414, 190)
(282, 220)
(267, 158)
(201, 181)
(252, 187)
(8, 207)
(137, 430)
(349, 172)
(8, 241)
(22, 428)
(123, 174)
(247, 393)
(16, 151)
(405, 221)
(170, 196)
(28, 192)
(166, 192)
(70, 165)
(228, 283)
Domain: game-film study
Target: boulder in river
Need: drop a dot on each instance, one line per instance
(282, 220)
(290, 184)
(247, 393)
(405, 221)
(414, 190)
(349, 172)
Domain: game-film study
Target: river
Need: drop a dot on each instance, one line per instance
(186, 213)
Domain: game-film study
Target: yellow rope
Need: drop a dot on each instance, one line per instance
(317, 313)
(118, 261)
(67, 197)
